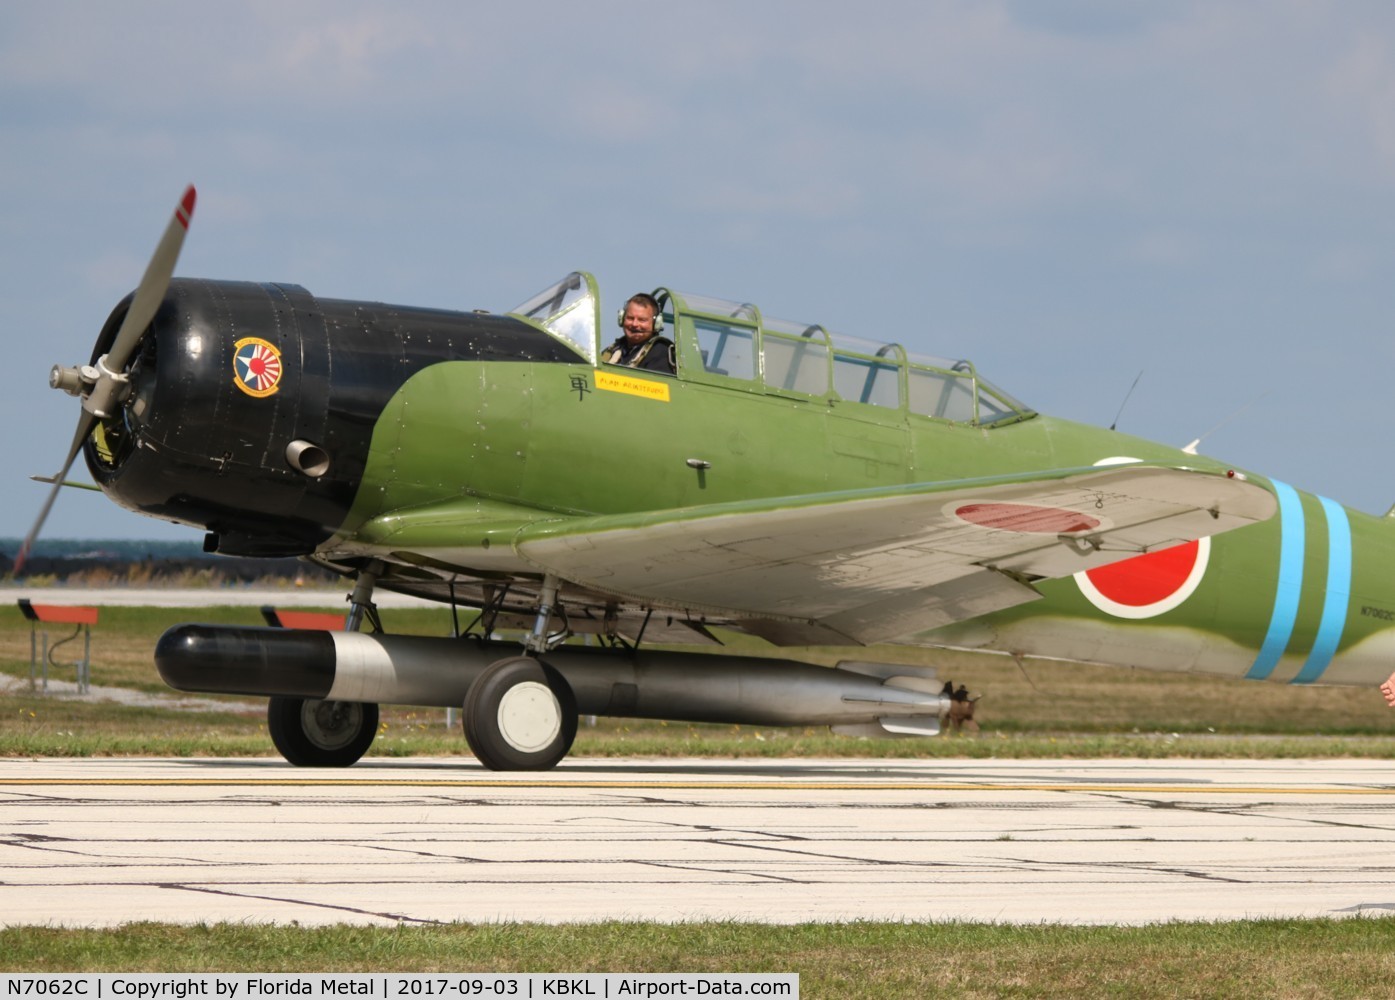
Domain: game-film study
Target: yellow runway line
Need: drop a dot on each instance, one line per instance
(635, 785)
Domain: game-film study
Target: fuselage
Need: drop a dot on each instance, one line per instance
(289, 425)
(1307, 588)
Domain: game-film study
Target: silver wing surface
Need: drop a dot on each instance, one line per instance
(875, 565)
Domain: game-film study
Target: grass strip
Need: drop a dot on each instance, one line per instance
(37, 726)
(1270, 958)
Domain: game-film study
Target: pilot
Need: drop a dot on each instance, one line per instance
(640, 346)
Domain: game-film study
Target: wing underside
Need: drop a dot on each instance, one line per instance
(876, 565)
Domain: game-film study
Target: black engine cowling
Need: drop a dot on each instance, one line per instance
(253, 405)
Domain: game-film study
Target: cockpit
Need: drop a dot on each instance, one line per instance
(733, 344)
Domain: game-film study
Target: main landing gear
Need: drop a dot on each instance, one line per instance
(310, 732)
(519, 713)
(313, 733)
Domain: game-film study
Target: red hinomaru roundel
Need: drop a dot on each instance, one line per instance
(1030, 518)
(1147, 585)
(1141, 587)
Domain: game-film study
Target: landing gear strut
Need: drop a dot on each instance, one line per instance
(361, 600)
(520, 714)
(310, 732)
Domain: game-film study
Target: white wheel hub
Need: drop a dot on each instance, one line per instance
(529, 717)
(331, 725)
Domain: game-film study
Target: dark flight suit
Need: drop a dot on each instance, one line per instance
(656, 355)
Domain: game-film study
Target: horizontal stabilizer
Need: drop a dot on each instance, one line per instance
(892, 728)
(917, 678)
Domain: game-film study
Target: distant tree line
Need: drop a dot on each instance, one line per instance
(123, 561)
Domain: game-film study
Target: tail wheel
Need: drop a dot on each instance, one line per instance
(313, 733)
(520, 715)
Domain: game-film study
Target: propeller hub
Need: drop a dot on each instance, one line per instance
(108, 390)
(69, 379)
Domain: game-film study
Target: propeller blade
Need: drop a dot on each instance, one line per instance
(103, 395)
(84, 428)
(151, 291)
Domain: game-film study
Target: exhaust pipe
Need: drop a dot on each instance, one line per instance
(864, 699)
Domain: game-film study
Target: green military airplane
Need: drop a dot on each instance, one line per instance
(782, 481)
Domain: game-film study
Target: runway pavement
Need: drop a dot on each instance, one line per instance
(99, 842)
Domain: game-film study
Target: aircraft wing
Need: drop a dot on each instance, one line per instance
(875, 565)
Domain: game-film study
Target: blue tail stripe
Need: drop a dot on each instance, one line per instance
(1338, 598)
(1290, 585)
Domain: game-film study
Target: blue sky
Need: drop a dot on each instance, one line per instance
(1068, 193)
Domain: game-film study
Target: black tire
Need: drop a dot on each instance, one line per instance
(313, 733)
(520, 715)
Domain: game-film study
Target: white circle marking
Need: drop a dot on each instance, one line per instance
(529, 716)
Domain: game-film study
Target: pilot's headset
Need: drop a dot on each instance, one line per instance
(658, 318)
